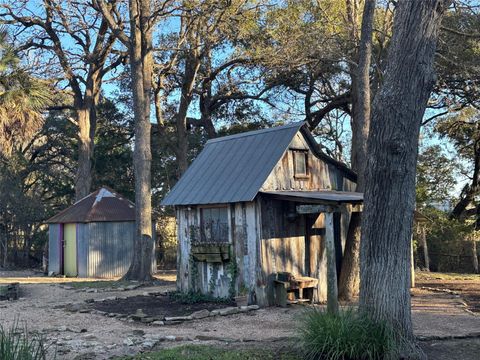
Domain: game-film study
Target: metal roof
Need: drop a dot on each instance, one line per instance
(329, 196)
(100, 206)
(233, 168)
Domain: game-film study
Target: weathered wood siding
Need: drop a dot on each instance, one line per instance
(286, 245)
(216, 278)
(322, 176)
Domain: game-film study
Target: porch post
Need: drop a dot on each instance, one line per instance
(332, 287)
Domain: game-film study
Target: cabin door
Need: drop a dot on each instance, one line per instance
(70, 249)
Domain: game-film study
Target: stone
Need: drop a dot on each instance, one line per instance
(128, 342)
(253, 307)
(111, 298)
(74, 307)
(148, 320)
(132, 287)
(89, 301)
(89, 337)
(229, 311)
(215, 312)
(158, 323)
(62, 328)
(84, 310)
(200, 314)
(138, 332)
(91, 290)
(148, 344)
(139, 315)
(112, 315)
(172, 322)
(178, 318)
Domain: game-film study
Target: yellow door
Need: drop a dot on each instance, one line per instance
(70, 249)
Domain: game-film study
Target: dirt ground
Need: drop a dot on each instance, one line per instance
(443, 321)
(159, 306)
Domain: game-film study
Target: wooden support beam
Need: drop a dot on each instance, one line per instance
(332, 289)
(316, 209)
(321, 208)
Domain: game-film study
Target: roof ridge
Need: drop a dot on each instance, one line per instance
(256, 132)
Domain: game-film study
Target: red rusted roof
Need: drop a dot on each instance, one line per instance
(100, 206)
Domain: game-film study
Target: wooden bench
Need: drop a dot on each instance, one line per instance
(301, 286)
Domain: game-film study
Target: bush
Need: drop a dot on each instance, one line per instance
(18, 344)
(346, 336)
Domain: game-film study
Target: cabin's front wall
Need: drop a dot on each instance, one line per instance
(297, 244)
(219, 279)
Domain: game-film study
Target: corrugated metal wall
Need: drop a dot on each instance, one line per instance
(82, 250)
(54, 248)
(110, 248)
(104, 249)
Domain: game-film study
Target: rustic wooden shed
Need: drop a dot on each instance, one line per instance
(93, 237)
(257, 204)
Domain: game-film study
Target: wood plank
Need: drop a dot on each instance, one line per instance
(332, 290)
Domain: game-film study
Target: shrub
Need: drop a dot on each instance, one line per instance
(18, 344)
(345, 336)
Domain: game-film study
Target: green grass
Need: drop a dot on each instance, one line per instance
(345, 336)
(18, 344)
(203, 352)
(97, 284)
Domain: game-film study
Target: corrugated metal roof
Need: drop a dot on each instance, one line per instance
(232, 168)
(100, 206)
(321, 196)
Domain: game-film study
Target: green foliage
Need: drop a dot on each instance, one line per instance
(233, 274)
(194, 297)
(22, 100)
(347, 335)
(448, 245)
(203, 352)
(18, 344)
(435, 177)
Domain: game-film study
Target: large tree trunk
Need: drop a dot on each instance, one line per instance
(391, 164)
(192, 65)
(423, 242)
(141, 63)
(83, 180)
(349, 274)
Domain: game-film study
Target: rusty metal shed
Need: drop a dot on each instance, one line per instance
(93, 237)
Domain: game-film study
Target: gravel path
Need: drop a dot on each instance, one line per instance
(92, 336)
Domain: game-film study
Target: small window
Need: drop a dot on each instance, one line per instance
(214, 224)
(300, 163)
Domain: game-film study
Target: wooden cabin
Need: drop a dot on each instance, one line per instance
(257, 205)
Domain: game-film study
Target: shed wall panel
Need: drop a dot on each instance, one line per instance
(82, 250)
(110, 248)
(54, 248)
